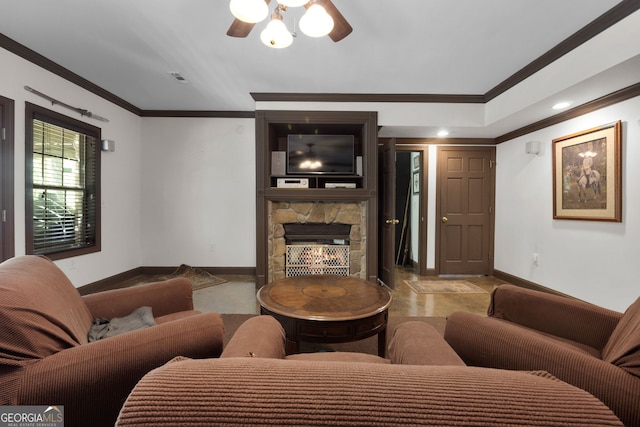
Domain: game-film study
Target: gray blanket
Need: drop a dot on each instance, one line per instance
(104, 328)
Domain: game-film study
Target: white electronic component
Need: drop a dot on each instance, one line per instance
(293, 183)
(340, 185)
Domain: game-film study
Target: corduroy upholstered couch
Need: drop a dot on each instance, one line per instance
(254, 384)
(582, 344)
(45, 356)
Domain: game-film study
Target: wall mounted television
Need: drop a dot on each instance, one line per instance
(320, 154)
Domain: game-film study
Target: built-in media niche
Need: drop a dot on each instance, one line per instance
(317, 161)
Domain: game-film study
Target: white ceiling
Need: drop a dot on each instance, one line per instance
(397, 47)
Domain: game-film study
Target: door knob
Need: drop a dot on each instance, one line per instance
(445, 219)
(392, 221)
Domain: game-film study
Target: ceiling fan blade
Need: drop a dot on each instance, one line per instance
(240, 28)
(341, 28)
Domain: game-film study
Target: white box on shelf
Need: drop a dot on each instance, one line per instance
(340, 185)
(293, 182)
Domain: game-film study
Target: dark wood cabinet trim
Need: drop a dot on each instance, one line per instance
(268, 125)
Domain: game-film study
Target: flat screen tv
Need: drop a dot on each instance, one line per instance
(320, 154)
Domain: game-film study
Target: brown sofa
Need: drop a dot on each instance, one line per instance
(45, 356)
(252, 383)
(412, 343)
(590, 347)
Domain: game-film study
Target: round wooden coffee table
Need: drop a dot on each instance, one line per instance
(327, 309)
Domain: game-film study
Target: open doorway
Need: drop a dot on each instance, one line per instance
(402, 233)
(411, 195)
(405, 254)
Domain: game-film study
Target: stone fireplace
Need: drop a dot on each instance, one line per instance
(352, 214)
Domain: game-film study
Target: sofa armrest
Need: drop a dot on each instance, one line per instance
(260, 336)
(556, 315)
(164, 298)
(93, 380)
(494, 343)
(418, 343)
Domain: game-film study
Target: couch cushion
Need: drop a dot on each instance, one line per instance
(623, 348)
(338, 356)
(41, 312)
(256, 391)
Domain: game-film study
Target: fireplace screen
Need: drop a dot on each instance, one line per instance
(304, 260)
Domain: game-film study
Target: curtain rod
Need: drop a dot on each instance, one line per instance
(81, 111)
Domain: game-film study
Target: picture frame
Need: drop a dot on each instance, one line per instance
(587, 174)
(416, 182)
(416, 162)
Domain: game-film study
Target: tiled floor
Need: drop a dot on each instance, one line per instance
(238, 295)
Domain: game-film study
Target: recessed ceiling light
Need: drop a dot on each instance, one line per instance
(561, 105)
(443, 133)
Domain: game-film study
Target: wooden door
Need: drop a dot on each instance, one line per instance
(465, 210)
(7, 236)
(387, 218)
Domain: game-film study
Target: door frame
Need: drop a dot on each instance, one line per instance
(422, 200)
(7, 179)
(423, 152)
(438, 207)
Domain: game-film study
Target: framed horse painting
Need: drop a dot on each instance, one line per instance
(587, 174)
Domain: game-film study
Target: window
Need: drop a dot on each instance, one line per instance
(62, 184)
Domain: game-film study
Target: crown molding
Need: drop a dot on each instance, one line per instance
(199, 113)
(366, 97)
(440, 141)
(43, 62)
(607, 19)
(588, 107)
(595, 27)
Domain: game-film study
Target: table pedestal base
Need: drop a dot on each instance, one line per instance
(334, 331)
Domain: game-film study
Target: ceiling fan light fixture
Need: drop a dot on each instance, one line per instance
(250, 11)
(276, 35)
(316, 22)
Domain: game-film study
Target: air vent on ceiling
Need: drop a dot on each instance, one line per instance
(179, 77)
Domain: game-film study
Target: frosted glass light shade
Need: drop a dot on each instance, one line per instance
(251, 11)
(276, 35)
(310, 164)
(316, 22)
(293, 3)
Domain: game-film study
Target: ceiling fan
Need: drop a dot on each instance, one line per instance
(341, 28)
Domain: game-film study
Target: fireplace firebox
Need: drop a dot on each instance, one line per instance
(317, 238)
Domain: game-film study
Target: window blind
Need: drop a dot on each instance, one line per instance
(64, 188)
